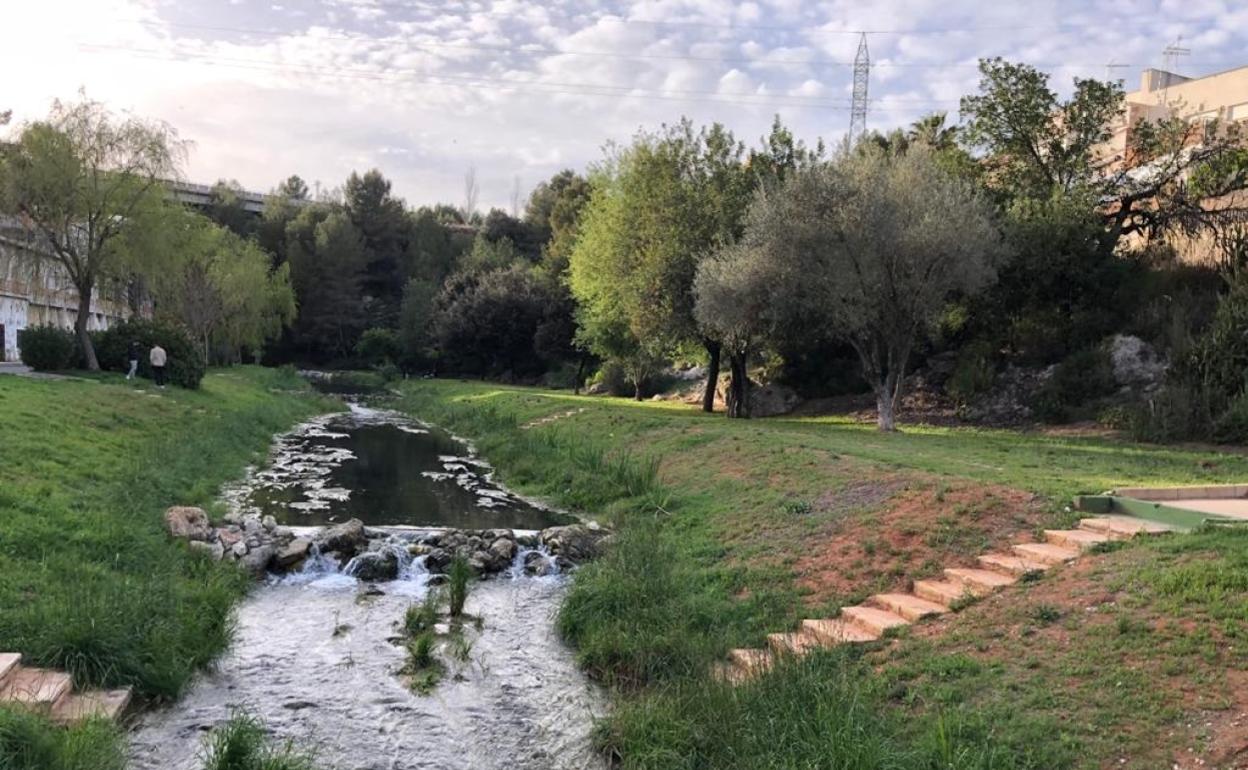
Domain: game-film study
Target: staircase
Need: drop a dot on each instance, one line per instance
(51, 693)
(881, 613)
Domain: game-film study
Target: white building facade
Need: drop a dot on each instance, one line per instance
(35, 291)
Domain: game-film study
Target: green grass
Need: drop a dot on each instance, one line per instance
(89, 583)
(29, 742)
(710, 516)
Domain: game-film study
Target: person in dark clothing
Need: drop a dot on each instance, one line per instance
(132, 355)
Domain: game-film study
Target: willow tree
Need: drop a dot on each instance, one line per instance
(80, 179)
(875, 245)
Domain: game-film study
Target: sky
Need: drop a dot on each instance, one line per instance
(518, 89)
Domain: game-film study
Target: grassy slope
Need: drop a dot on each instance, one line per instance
(88, 581)
(714, 544)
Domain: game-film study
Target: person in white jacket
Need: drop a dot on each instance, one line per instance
(158, 360)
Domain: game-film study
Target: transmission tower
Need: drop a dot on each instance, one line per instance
(862, 73)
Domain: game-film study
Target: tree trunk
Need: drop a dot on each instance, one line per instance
(738, 386)
(580, 376)
(885, 417)
(80, 326)
(712, 375)
(637, 388)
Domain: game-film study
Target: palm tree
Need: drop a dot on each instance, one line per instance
(932, 131)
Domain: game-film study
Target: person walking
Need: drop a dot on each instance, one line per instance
(132, 355)
(158, 359)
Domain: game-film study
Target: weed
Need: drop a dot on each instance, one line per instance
(461, 648)
(797, 508)
(1045, 614)
(962, 602)
(459, 574)
(30, 742)
(422, 670)
(243, 743)
(423, 616)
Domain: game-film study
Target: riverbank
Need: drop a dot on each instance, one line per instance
(729, 530)
(89, 582)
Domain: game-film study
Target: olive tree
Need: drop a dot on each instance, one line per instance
(875, 245)
(79, 179)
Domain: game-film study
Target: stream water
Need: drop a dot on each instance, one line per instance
(314, 654)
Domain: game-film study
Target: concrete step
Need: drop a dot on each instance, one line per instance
(982, 580)
(101, 704)
(873, 619)
(35, 688)
(9, 661)
(1123, 527)
(909, 606)
(796, 643)
(723, 671)
(750, 660)
(1046, 552)
(1011, 565)
(1079, 539)
(835, 631)
(946, 592)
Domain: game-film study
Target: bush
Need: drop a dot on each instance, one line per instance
(378, 347)
(1232, 426)
(1076, 386)
(185, 368)
(974, 372)
(31, 742)
(47, 348)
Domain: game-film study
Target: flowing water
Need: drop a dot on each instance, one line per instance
(314, 654)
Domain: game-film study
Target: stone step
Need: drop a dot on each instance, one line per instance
(1013, 565)
(947, 592)
(750, 660)
(9, 661)
(983, 580)
(723, 671)
(101, 704)
(873, 619)
(1123, 527)
(1046, 552)
(1079, 539)
(35, 688)
(796, 643)
(835, 631)
(909, 606)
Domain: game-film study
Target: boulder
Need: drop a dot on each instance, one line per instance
(214, 551)
(346, 538)
(257, 560)
(229, 537)
(188, 523)
(376, 566)
(575, 543)
(537, 565)
(292, 553)
(504, 548)
(239, 549)
(269, 523)
(772, 400)
(438, 560)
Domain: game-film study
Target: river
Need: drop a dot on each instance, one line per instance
(314, 654)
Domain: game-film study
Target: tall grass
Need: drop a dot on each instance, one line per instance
(459, 575)
(243, 743)
(29, 742)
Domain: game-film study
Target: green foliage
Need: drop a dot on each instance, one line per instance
(378, 347)
(89, 581)
(47, 348)
(974, 372)
(185, 367)
(243, 743)
(1076, 386)
(31, 742)
(327, 259)
(422, 617)
(459, 576)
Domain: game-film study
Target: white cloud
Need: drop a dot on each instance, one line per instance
(524, 87)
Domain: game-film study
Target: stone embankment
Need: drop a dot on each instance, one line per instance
(260, 545)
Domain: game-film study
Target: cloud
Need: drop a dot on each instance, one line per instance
(425, 88)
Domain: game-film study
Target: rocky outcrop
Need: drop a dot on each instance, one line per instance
(188, 523)
(575, 544)
(1137, 365)
(250, 541)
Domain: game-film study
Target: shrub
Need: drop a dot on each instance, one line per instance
(1232, 426)
(378, 347)
(186, 365)
(458, 576)
(974, 372)
(47, 348)
(1076, 385)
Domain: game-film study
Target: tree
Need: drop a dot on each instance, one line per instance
(664, 203)
(381, 220)
(294, 187)
(878, 243)
(80, 179)
(327, 257)
(227, 208)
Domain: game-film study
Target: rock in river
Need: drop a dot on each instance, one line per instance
(575, 543)
(376, 566)
(347, 538)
